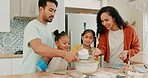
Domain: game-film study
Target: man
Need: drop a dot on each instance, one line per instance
(38, 41)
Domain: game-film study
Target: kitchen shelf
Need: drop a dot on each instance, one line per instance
(11, 56)
(24, 18)
(80, 10)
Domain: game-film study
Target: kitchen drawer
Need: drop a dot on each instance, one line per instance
(5, 66)
(9, 66)
(16, 65)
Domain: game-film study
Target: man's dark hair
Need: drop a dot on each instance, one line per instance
(42, 3)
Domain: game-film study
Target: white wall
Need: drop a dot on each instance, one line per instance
(138, 17)
(122, 7)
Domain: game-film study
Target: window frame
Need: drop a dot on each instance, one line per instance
(145, 32)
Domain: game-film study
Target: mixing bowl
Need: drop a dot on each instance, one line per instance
(86, 67)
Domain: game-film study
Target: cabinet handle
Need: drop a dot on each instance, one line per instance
(84, 25)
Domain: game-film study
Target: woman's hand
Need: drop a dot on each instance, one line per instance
(96, 52)
(124, 55)
(128, 67)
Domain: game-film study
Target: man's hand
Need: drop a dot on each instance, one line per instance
(96, 52)
(123, 55)
(70, 57)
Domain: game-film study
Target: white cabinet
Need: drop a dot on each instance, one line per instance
(5, 66)
(87, 4)
(92, 4)
(104, 3)
(16, 65)
(9, 66)
(74, 3)
(5, 16)
(29, 8)
(23, 8)
(15, 8)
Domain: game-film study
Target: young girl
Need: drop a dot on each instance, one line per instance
(87, 38)
(62, 42)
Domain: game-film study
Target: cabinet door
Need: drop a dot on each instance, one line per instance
(16, 65)
(5, 66)
(104, 3)
(88, 4)
(14, 8)
(74, 3)
(92, 4)
(5, 16)
(29, 8)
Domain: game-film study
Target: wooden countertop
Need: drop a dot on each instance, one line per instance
(36, 75)
(11, 56)
(52, 75)
(103, 70)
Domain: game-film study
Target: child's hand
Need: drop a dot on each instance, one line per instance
(96, 52)
(76, 53)
(123, 55)
(78, 50)
(40, 71)
(71, 68)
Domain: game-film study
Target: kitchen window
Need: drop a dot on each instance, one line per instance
(145, 47)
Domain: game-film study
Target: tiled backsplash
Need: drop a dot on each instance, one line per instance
(13, 40)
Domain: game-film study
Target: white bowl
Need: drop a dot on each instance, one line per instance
(86, 67)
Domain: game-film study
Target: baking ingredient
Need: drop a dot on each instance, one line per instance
(83, 54)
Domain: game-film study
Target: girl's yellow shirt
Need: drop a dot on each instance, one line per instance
(77, 47)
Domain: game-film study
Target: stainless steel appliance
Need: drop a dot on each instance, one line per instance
(77, 23)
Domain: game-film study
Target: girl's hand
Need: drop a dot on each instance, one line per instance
(96, 52)
(71, 68)
(76, 52)
(123, 55)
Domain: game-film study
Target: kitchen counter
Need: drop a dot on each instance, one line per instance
(100, 72)
(52, 75)
(37, 75)
(140, 58)
(11, 56)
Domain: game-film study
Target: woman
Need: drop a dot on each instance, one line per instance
(118, 41)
